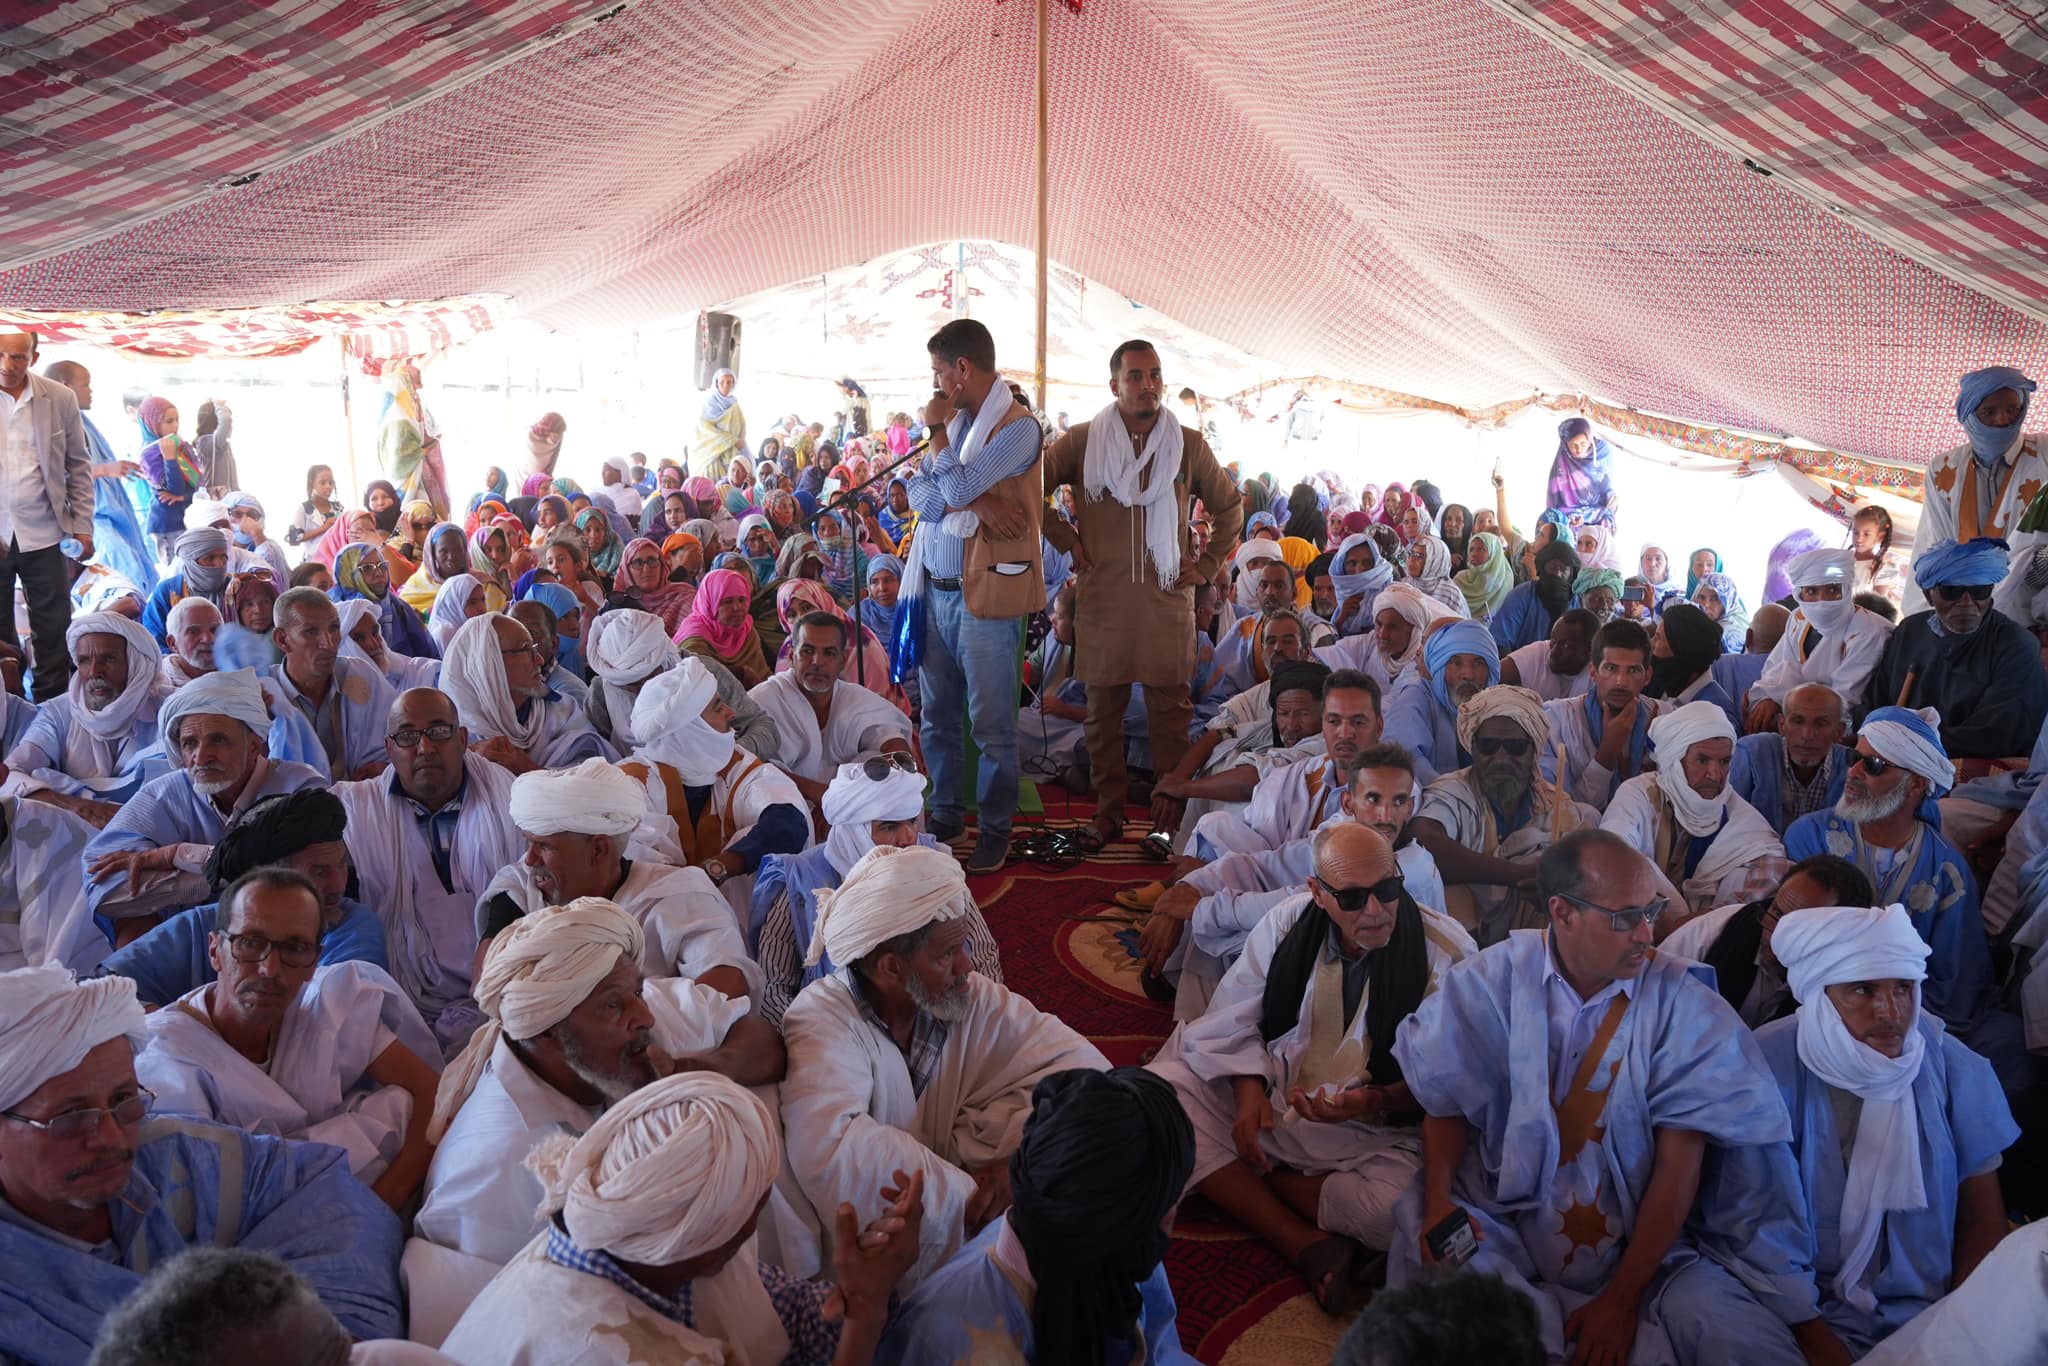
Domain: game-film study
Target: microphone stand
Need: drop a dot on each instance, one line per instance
(841, 505)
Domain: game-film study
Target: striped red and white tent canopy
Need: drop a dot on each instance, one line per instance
(1784, 216)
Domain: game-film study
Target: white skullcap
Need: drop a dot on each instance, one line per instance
(668, 718)
(204, 512)
(233, 693)
(1518, 705)
(48, 1023)
(593, 798)
(538, 969)
(621, 464)
(1828, 945)
(632, 645)
(889, 892)
(672, 1172)
(854, 801)
(1419, 608)
(1815, 568)
(1911, 738)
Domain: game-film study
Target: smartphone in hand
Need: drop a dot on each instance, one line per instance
(1451, 1241)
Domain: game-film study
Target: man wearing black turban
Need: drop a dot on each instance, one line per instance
(1093, 1187)
(300, 830)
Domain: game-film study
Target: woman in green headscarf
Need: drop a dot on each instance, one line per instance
(1488, 574)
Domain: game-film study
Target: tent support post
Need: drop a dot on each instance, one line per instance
(348, 422)
(1044, 245)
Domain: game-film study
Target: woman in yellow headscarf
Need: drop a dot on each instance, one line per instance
(1299, 554)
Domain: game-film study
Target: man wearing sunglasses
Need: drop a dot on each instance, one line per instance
(1222, 902)
(1572, 1080)
(1487, 823)
(277, 1044)
(1735, 941)
(1977, 667)
(1888, 825)
(1829, 639)
(98, 1191)
(1303, 1123)
(1710, 846)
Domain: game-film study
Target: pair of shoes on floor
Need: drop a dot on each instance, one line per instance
(991, 852)
(944, 831)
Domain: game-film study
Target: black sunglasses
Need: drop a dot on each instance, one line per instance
(1387, 891)
(1872, 765)
(1956, 592)
(1493, 744)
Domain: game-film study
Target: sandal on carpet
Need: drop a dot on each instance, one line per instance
(1098, 832)
(1331, 1268)
(1140, 898)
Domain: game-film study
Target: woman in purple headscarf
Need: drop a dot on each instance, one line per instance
(1581, 483)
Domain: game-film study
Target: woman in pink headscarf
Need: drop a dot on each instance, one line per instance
(799, 597)
(719, 626)
(1393, 505)
(643, 581)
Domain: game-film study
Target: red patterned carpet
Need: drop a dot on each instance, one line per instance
(1070, 949)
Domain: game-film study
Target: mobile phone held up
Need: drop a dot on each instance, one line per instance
(1451, 1241)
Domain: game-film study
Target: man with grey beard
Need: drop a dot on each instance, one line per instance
(1887, 824)
(570, 1029)
(89, 750)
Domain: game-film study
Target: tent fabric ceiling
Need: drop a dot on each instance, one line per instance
(1434, 196)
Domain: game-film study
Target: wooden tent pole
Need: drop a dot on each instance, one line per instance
(348, 422)
(1044, 245)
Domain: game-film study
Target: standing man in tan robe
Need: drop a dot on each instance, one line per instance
(1133, 469)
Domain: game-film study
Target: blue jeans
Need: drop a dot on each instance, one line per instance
(970, 672)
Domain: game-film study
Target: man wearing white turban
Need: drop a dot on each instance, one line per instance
(363, 634)
(906, 1059)
(578, 823)
(1401, 616)
(632, 648)
(151, 855)
(1487, 824)
(494, 672)
(1829, 640)
(1897, 1126)
(93, 748)
(648, 1254)
(730, 809)
(1888, 823)
(97, 1191)
(570, 1027)
(1711, 847)
(872, 801)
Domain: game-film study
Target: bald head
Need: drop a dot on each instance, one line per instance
(1766, 628)
(1351, 855)
(1349, 859)
(1816, 697)
(72, 376)
(420, 707)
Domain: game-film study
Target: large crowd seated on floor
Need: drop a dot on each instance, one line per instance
(535, 925)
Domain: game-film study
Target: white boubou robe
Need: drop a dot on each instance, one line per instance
(857, 722)
(1369, 1164)
(316, 1085)
(851, 1118)
(429, 930)
(1745, 861)
(1288, 803)
(43, 913)
(687, 927)
(1842, 660)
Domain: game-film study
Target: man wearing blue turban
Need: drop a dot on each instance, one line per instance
(1977, 667)
(1981, 487)
(1459, 658)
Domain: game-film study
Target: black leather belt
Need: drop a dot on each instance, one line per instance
(943, 585)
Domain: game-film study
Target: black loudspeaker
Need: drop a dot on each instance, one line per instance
(718, 346)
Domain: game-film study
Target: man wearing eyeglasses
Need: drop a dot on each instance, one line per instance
(1572, 1081)
(1487, 824)
(97, 1191)
(426, 840)
(1888, 824)
(1735, 941)
(1977, 667)
(1710, 846)
(1304, 1127)
(495, 675)
(152, 855)
(1605, 731)
(1829, 639)
(277, 1044)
